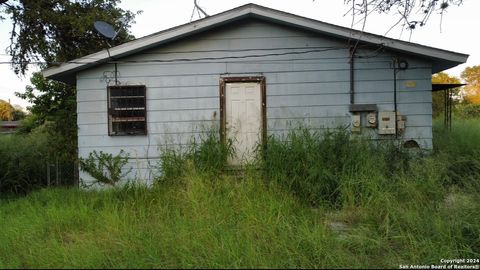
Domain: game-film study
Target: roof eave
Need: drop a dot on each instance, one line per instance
(66, 72)
(441, 59)
(342, 32)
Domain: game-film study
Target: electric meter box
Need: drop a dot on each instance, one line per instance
(386, 123)
(356, 123)
(401, 120)
(372, 120)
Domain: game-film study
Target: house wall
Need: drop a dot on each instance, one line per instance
(302, 88)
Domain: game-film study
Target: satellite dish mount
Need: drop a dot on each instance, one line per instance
(105, 29)
(198, 9)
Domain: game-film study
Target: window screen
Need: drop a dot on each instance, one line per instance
(127, 114)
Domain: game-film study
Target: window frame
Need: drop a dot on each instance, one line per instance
(110, 109)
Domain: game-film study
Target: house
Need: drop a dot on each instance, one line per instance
(8, 127)
(252, 71)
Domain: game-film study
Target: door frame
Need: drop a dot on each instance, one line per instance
(263, 94)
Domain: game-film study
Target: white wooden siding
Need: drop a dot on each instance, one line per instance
(310, 89)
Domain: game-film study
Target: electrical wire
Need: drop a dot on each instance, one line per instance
(223, 57)
(264, 72)
(246, 50)
(186, 59)
(305, 51)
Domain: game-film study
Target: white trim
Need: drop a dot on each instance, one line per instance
(62, 71)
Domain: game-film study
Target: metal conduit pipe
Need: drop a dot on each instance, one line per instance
(352, 75)
(395, 61)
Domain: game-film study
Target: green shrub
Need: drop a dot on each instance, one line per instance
(30, 157)
(105, 168)
(23, 162)
(467, 111)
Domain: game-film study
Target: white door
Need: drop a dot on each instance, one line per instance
(243, 114)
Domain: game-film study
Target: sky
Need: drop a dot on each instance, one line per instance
(455, 33)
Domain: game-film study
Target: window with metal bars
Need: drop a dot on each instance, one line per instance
(127, 110)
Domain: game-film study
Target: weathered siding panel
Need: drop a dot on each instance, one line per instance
(308, 83)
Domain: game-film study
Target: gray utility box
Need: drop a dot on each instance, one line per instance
(386, 123)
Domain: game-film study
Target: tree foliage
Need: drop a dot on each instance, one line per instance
(6, 111)
(54, 107)
(438, 97)
(9, 112)
(56, 31)
(471, 76)
(411, 13)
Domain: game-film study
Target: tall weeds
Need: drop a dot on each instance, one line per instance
(331, 168)
(207, 154)
(460, 150)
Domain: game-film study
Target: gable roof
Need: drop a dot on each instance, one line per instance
(441, 59)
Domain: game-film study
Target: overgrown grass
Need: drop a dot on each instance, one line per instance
(379, 208)
(459, 150)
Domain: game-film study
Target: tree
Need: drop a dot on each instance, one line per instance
(54, 107)
(9, 112)
(411, 13)
(471, 76)
(438, 97)
(57, 31)
(6, 111)
(50, 33)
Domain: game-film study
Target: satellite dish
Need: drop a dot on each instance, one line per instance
(105, 29)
